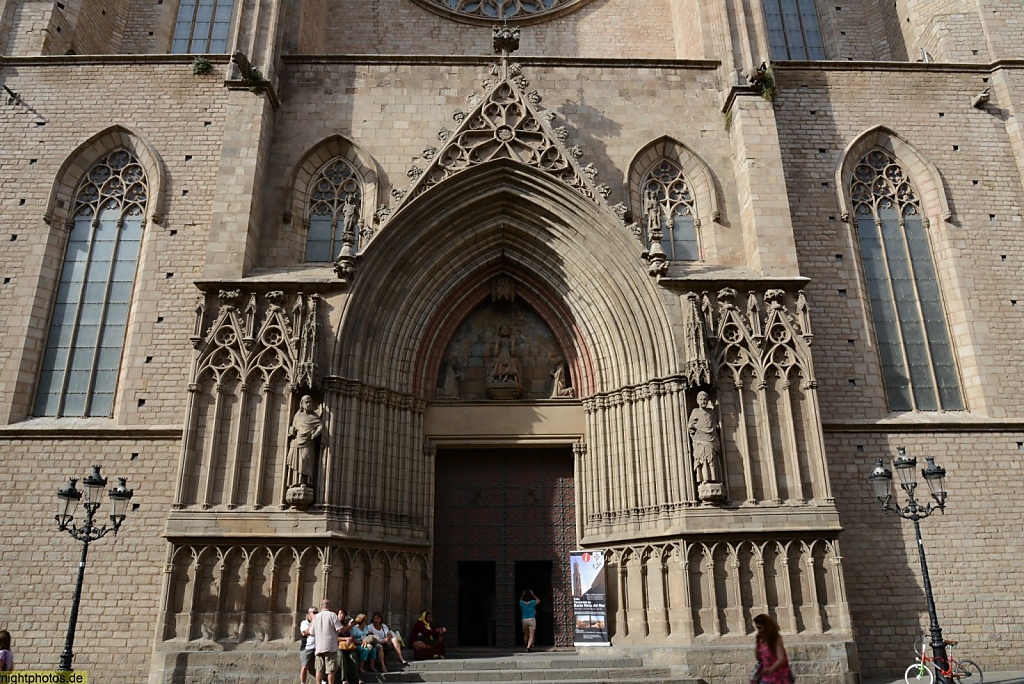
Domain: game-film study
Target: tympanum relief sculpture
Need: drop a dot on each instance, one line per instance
(560, 388)
(449, 387)
(503, 351)
(504, 381)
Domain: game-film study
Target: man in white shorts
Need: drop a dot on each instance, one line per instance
(325, 634)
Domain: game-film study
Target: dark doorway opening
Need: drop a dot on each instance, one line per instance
(504, 520)
(476, 603)
(536, 576)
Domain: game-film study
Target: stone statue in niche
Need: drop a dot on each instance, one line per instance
(449, 389)
(652, 212)
(560, 383)
(303, 449)
(349, 220)
(505, 378)
(707, 450)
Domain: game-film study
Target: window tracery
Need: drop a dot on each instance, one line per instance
(501, 10)
(335, 196)
(90, 316)
(669, 204)
(917, 360)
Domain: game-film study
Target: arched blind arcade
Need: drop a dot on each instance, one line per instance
(666, 191)
(90, 315)
(918, 367)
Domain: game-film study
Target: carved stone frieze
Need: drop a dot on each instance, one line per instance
(261, 338)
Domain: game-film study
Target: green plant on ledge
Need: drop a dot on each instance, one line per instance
(728, 120)
(257, 84)
(764, 79)
(201, 65)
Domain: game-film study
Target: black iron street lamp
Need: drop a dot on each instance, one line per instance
(934, 476)
(68, 499)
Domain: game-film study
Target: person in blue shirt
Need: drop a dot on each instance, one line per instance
(528, 606)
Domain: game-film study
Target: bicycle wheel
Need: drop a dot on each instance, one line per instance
(968, 671)
(919, 674)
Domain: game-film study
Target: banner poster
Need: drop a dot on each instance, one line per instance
(589, 598)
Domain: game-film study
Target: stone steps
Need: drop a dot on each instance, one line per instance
(565, 668)
(461, 667)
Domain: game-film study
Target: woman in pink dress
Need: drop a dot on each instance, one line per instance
(773, 663)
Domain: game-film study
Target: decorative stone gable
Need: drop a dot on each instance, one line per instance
(506, 124)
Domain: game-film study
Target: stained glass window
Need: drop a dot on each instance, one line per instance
(335, 196)
(667, 192)
(918, 366)
(202, 26)
(90, 315)
(793, 31)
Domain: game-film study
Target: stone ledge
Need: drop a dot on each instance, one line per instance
(917, 422)
(284, 527)
(87, 428)
(525, 60)
(699, 521)
(837, 65)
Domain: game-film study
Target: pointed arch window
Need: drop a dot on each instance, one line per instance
(202, 26)
(335, 196)
(90, 315)
(793, 30)
(918, 367)
(668, 200)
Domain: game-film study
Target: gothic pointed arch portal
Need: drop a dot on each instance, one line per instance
(543, 291)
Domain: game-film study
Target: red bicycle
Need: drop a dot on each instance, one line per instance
(922, 671)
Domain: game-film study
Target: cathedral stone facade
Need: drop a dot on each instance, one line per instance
(398, 303)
